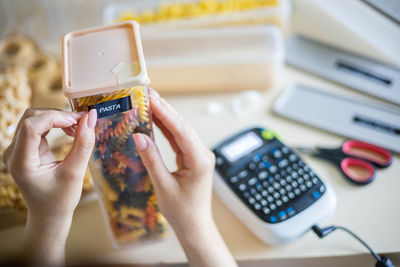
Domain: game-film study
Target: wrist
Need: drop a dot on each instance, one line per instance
(197, 230)
(49, 228)
(204, 246)
(44, 240)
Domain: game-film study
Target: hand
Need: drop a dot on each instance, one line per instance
(51, 188)
(184, 196)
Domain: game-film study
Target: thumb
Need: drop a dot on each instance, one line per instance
(78, 157)
(152, 160)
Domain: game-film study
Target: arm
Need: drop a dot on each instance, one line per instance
(51, 188)
(204, 246)
(44, 242)
(184, 196)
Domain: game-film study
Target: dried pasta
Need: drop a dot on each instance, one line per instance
(84, 102)
(181, 10)
(10, 196)
(119, 175)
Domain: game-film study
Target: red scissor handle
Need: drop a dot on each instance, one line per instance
(379, 156)
(357, 170)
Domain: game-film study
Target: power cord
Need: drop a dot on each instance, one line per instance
(322, 232)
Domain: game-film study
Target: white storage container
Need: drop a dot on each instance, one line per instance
(219, 59)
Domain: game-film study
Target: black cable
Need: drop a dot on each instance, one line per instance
(362, 242)
(322, 232)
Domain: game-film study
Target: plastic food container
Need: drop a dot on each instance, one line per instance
(104, 68)
(161, 15)
(217, 59)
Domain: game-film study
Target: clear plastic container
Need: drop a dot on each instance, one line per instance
(104, 68)
(161, 15)
(217, 59)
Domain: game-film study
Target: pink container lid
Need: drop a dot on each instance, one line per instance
(103, 59)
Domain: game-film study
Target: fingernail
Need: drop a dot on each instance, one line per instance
(92, 119)
(155, 99)
(140, 141)
(154, 92)
(73, 120)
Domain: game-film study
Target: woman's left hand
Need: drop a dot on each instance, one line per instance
(51, 188)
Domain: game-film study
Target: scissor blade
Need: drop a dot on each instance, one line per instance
(306, 150)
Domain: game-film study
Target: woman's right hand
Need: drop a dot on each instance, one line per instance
(184, 196)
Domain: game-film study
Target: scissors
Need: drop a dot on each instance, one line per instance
(356, 160)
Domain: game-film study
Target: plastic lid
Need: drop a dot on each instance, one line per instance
(103, 59)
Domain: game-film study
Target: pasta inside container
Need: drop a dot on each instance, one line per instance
(118, 91)
(163, 15)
